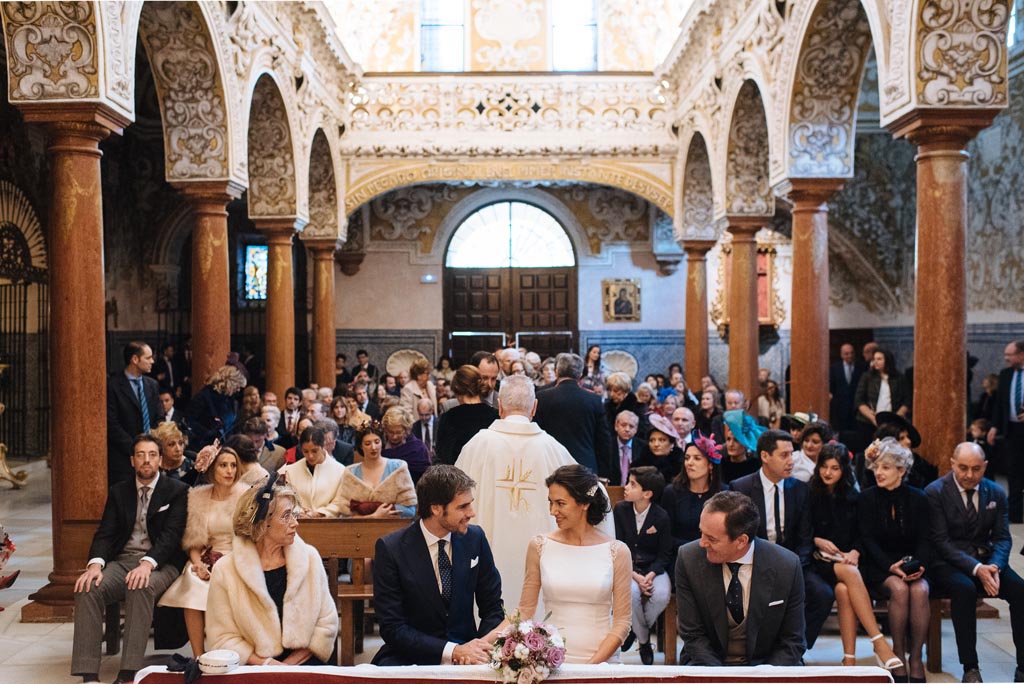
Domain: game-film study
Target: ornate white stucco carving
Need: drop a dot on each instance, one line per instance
(828, 78)
(115, 16)
(697, 221)
(192, 98)
(323, 191)
(616, 212)
(747, 191)
(404, 208)
(961, 52)
(51, 50)
(507, 24)
(271, 160)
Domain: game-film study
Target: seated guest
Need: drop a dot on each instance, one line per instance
(175, 462)
(272, 417)
(782, 502)
(684, 422)
(620, 398)
(419, 386)
(315, 478)
(625, 427)
(644, 527)
(812, 438)
(970, 535)
(246, 611)
(342, 452)
(366, 406)
(271, 456)
(735, 400)
(740, 600)
(355, 418)
(249, 469)
(208, 535)
(707, 412)
(460, 423)
(685, 496)
(770, 405)
(794, 423)
(135, 555)
(433, 623)
(833, 509)
(339, 414)
(211, 413)
(662, 450)
(741, 434)
(425, 429)
(645, 397)
(294, 452)
(922, 473)
(400, 443)
(893, 524)
(251, 405)
(376, 486)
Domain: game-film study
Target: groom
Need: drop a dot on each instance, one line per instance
(425, 579)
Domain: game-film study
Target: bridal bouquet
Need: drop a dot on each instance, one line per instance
(527, 652)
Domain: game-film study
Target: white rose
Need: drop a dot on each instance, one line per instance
(522, 652)
(557, 641)
(526, 627)
(509, 675)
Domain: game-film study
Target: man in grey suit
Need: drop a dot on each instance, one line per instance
(970, 530)
(740, 599)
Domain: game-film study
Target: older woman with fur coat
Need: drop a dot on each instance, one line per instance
(269, 598)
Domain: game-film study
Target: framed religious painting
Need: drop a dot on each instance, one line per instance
(621, 300)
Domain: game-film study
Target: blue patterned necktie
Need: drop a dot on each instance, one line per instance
(1019, 392)
(444, 568)
(734, 597)
(142, 402)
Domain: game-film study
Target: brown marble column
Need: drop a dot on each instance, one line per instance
(940, 326)
(323, 310)
(809, 346)
(696, 310)
(743, 325)
(77, 343)
(211, 284)
(280, 302)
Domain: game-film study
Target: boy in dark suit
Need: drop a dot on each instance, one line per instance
(427, 576)
(645, 528)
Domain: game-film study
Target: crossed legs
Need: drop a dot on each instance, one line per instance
(854, 605)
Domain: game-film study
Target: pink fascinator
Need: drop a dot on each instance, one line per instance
(707, 446)
(206, 455)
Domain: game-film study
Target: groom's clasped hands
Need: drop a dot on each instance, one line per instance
(475, 652)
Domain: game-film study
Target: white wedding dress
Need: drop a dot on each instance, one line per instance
(586, 589)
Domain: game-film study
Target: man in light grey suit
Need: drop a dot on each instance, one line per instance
(740, 599)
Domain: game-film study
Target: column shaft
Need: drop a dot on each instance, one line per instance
(280, 304)
(696, 311)
(809, 351)
(743, 324)
(323, 311)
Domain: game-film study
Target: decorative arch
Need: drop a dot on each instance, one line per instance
(534, 238)
(189, 82)
(323, 191)
(272, 186)
(22, 243)
(697, 214)
(747, 188)
(822, 100)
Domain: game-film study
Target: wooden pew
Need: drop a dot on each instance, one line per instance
(348, 539)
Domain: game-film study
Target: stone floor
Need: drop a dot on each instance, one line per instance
(34, 653)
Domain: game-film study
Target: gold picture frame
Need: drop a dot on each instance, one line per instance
(621, 300)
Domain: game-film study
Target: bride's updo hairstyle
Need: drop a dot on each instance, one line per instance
(583, 488)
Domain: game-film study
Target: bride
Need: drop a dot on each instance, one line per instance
(583, 573)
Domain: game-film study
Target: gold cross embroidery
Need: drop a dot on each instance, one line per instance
(517, 484)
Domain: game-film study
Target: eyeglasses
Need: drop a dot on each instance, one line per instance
(287, 517)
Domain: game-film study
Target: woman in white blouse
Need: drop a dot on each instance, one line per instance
(883, 388)
(316, 478)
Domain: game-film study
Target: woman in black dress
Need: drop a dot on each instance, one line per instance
(662, 450)
(685, 496)
(460, 424)
(893, 524)
(833, 507)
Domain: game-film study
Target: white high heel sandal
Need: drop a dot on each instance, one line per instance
(891, 664)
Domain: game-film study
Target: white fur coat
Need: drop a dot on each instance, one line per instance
(318, 492)
(241, 616)
(197, 529)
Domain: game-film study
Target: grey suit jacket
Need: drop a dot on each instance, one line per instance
(775, 612)
(953, 543)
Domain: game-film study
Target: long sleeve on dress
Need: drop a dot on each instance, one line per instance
(531, 582)
(622, 607)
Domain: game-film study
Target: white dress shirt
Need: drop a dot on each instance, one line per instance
(746, 562)
(433, 549)
(769, 505)
(640, 517)
(884, 402)
(138, 488)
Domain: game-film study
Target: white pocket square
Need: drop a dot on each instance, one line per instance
(163, 508)
(776, 603)
(473, 563)
(991, 505)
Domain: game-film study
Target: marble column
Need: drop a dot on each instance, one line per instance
(809, 346)
(743, 324)
(77, 342)
(324, 347)
(280, 302)
(696, 311)
(211, 281)
(940, 326)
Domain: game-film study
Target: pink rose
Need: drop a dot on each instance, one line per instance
(535, 642)
(508, 648)
(555, 656)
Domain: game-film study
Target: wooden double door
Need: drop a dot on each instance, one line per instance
(487, 308)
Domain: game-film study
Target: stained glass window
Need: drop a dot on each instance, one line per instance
(442, 26)
(510, 234)
(574, 35)
(256, 272)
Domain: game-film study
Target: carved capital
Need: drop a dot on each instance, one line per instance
(278, 230)
(813, 194)
(744, 228)
(697, 250)
(209, 197)
(349, 262)
(96, 114)
(322, 248)
(942, 128)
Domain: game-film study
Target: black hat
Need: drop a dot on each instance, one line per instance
(892, 418)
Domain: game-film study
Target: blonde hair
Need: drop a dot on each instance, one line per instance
(398, 416)
(227, 380)
(245, 511)
(166, 432)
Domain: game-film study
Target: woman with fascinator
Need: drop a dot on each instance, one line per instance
(585, 574)
(685, 496)
(663, 450)
(208, 535)
(246, 611)
(741, 433)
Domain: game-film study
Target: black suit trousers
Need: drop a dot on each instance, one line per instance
(818, 599)
(964, 592)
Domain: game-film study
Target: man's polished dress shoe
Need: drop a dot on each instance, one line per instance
(972, 675)
(647, 654)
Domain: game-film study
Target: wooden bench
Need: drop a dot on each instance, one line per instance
(349, 539)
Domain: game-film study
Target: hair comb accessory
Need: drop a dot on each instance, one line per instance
(263, 498)
(592, 491)
(206, 456)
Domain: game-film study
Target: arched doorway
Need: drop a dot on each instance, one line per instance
(509, 278)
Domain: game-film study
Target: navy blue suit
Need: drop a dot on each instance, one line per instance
(414, 622)
(575, 417)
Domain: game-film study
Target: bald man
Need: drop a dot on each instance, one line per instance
(970, 530)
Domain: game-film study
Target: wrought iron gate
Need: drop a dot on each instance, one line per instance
(24, 352)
